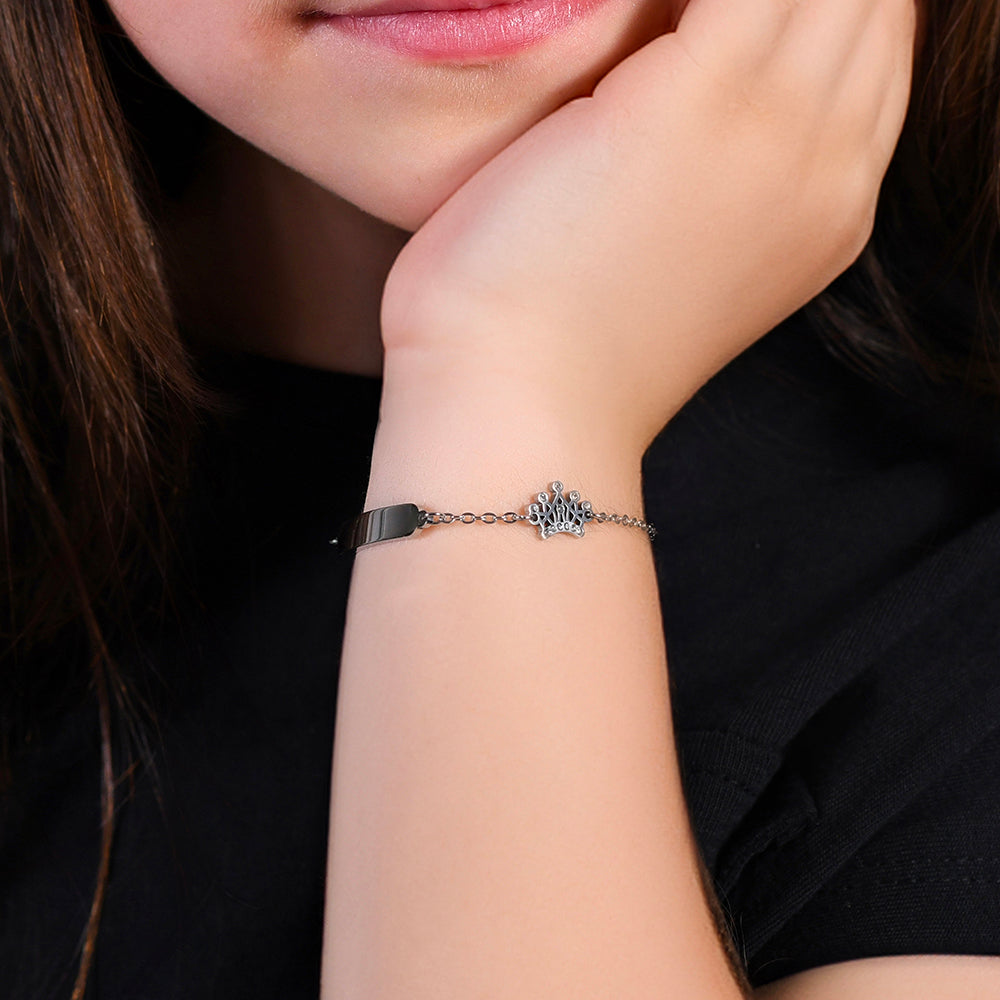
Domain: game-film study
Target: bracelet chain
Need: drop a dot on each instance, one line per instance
(437, 517)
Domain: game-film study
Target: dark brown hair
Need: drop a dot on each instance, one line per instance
(924, 297)
(97, 393)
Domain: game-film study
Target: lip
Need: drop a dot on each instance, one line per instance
(457, 30)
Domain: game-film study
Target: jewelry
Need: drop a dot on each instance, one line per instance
(552, 516)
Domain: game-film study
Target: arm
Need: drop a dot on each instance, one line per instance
(507, 810)
(506, 817)
(522, 832)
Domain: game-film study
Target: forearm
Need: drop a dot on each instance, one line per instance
(507, 818)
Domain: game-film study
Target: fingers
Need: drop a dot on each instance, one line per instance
(820, 64)
(788, 58)
(884, 60)
(740, 34)
(801, 101)
(809, 41)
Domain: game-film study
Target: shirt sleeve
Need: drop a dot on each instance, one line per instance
(928, 882)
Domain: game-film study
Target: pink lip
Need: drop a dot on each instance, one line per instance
(458, 30)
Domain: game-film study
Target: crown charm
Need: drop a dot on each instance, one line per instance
(556, 515)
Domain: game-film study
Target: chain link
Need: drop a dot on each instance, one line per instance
(436, 517)
(627, 522)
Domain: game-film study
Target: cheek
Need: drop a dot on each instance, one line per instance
(373, 136)
(208, 50)
(394, 137)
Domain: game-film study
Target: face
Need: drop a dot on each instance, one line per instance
(391, 104)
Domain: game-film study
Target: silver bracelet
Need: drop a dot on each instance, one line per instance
(551, 515)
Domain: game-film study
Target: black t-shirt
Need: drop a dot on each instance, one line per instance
(828, 554)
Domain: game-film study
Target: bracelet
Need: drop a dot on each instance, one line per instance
(551, 516)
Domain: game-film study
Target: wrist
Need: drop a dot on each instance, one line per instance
(460, 438)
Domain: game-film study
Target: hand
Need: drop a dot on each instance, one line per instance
(630, 244)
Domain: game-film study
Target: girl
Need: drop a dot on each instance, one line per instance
(209, 367)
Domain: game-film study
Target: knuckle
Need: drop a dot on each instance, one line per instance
(854, 225)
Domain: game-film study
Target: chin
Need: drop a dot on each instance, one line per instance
(404, 178)
(404, 195)
(404, 213)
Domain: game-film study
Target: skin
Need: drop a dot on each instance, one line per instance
(374, 146)
(394, 136)
(567, 205)
(775, 120)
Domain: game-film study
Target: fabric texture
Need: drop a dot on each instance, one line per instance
(828, 554)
